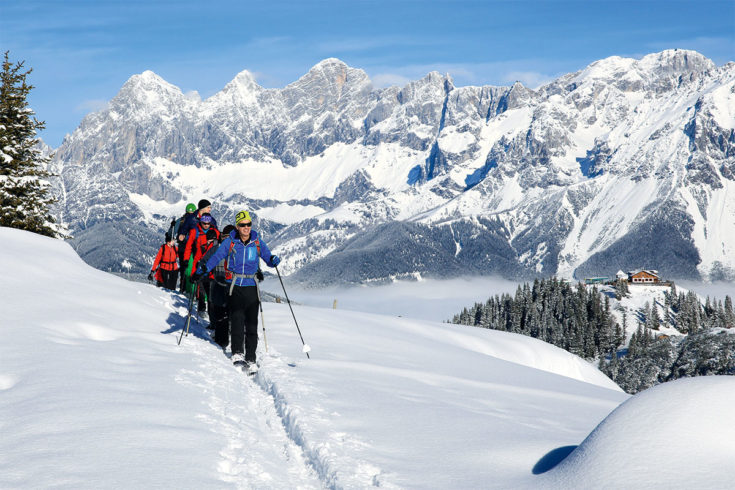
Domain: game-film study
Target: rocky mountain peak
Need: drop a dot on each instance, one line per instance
(436, 78)
(329, 86)
(243, 87)
(676, 62)
(150, 82)
(148, 92)
(329, 64)
(333, 74)
(246, 79)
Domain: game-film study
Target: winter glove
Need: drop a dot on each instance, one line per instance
(259, 275)
(150, 276)
(197, 276)
(275, 260)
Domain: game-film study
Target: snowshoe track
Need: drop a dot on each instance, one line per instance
(316, 458)
(267, 444)
(257, 452)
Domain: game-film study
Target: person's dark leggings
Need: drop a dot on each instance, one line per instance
(219, 317)
(182, 266)
(220, 320)
(202, 297)
(169, 279)
(243, 309)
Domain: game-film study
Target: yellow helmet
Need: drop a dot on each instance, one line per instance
(243, 216)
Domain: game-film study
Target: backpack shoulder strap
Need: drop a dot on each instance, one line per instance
(228, 274)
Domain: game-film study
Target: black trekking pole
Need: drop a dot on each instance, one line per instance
(188, 317)
(306, 347)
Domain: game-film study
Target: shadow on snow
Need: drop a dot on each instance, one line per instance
(176, 322)
(552, 458)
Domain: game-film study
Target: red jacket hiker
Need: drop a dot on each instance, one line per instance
(166, 259)
(202, 251)
(196, 241)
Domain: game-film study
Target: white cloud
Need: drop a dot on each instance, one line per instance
(358, 44)
(267, 42)
(91, 105)
(530, 79)
(389, 79)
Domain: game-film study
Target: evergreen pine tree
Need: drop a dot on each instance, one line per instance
(24, 192)
(729, 313)
(708, 308)
(696, 312)
(646, 314)
(655, 317)
(720, 316)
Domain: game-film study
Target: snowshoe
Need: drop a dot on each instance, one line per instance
(239, 360)
(250, 368)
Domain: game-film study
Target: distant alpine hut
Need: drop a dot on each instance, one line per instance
(644, 277)
(596, 280)
(621, 276)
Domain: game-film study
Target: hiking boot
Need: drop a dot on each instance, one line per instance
(238, 359)
(250, 367)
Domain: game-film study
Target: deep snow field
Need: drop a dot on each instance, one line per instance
(95, 393)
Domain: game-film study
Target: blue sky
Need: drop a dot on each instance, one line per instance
(82, 52)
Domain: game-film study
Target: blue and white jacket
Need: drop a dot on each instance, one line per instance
(241, 258)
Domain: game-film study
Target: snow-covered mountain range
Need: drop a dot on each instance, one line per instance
(627, 163)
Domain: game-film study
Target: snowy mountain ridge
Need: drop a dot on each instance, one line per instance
(626, 163)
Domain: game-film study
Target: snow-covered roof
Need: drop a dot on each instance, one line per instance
(652, 272)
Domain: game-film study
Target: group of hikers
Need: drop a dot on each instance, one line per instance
(220, 269)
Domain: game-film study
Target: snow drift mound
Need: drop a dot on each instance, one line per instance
(675, 435)
(536, 354)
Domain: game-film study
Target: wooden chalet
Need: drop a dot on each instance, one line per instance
(644, 277)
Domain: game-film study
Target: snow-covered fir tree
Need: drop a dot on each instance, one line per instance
(24, 191)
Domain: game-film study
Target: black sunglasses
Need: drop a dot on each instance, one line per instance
(243, 225)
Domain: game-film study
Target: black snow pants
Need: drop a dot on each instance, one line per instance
(182, 266)
(243, 309)
(219, 317)
(201, 292)
(169, 279)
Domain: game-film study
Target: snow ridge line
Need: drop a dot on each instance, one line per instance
(318, 459)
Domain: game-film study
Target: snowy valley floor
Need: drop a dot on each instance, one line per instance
(95, 393)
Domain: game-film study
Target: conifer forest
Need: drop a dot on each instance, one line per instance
(680, 338)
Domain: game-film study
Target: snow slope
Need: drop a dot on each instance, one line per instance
(95, 393)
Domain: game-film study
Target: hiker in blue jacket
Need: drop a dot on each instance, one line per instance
(242, 251)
